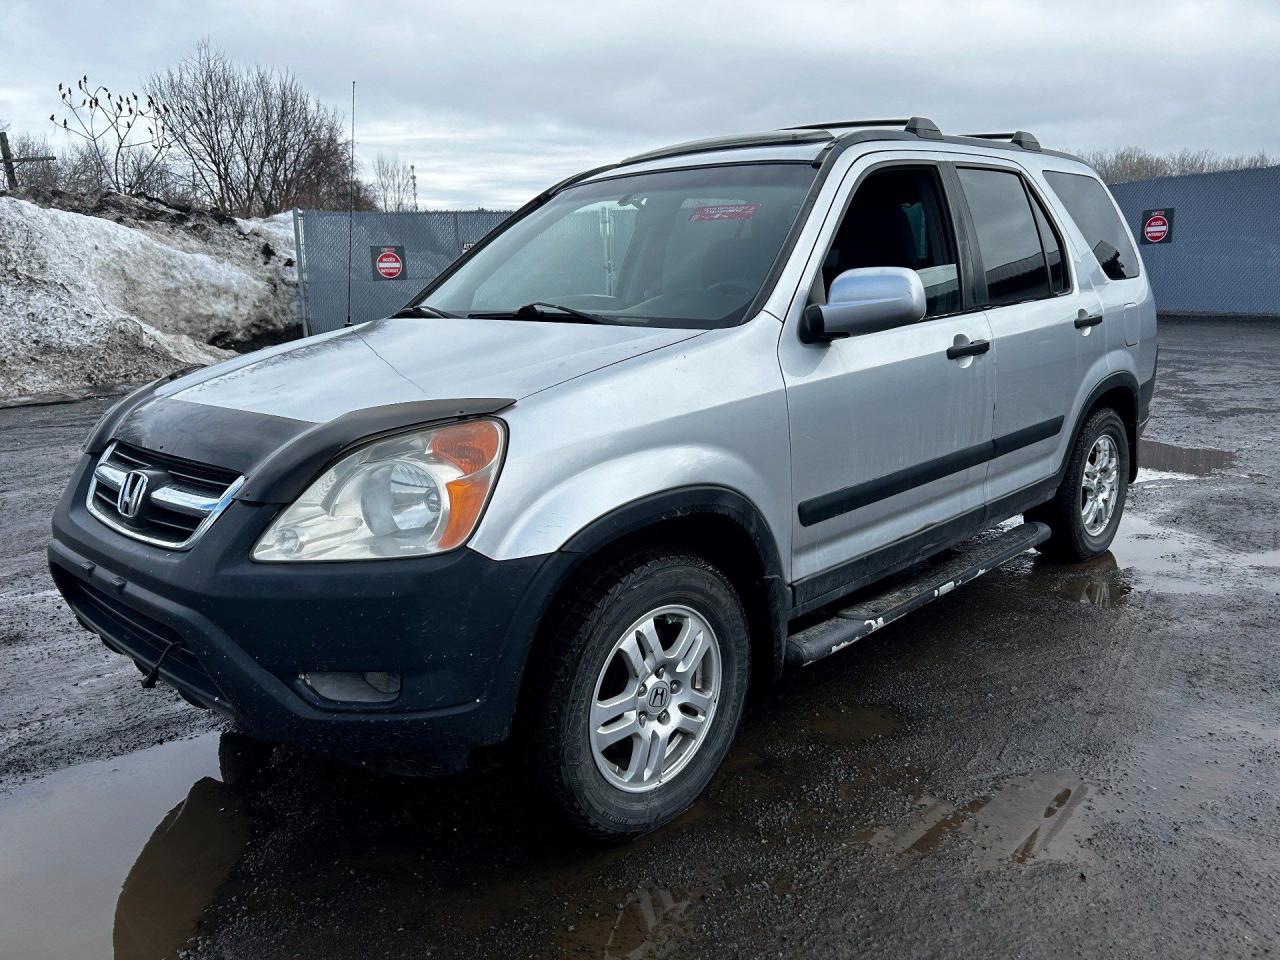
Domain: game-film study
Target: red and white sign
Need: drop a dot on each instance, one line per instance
(724, 211)
(389, 265)
(1156, 228)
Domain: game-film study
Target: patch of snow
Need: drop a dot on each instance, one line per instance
(1147, 475)
(89, 302)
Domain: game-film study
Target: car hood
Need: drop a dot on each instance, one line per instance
(412, 359)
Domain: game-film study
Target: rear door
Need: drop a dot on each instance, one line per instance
(1023, 280)
(1112, 274)
(885, 427)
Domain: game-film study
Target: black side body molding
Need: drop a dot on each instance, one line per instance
(821, 589)
(838, 502)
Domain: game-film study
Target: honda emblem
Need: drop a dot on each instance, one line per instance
(132, 492)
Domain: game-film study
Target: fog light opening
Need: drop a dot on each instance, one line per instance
(373, 686)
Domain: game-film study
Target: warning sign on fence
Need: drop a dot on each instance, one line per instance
(1157, 226)
(388, 263)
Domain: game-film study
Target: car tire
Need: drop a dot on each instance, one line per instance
(1084, 514)
(602, 659)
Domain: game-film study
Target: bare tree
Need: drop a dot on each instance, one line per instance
(392, 183)
(250, 140)
(1125, 164)
(128, 137)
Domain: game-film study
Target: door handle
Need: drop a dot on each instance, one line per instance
(970, 349)
(1087, 320)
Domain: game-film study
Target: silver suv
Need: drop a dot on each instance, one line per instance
(663, 433)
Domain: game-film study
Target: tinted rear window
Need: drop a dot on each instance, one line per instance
(1090, 207)
(1007, 236)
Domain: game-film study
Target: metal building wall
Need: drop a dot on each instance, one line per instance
(431, 241)
(1224, 253)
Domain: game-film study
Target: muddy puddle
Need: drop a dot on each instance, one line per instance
(132, 857)
(116, 857)
(1167, 458)
(1191, 776)
(1147, 555)
(122, 858)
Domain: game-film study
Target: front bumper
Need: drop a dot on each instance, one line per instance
(457, 627)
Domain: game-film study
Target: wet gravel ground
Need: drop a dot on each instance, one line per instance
(1053, 761)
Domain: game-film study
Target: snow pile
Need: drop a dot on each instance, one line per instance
(89, 302)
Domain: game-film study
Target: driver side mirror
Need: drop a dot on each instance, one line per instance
(865, 300)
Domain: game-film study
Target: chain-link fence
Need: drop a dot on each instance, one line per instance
(1211, 241)
(393, 256)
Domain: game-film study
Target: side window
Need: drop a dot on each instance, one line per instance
(1052, 244)
(898, 218)
(1008, 240)
(1090, 206)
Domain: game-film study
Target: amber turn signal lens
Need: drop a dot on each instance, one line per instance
(473, 447)
(470, 446)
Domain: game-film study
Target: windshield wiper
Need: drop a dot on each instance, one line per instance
(423, 310)
(535, 311)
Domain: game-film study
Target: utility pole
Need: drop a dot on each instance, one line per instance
(413, 178)
(11, 162)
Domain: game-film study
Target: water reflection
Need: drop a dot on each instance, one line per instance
(178, 872)
(1095, 582)
(1025, 818)
(69, 841)
(1192, 461)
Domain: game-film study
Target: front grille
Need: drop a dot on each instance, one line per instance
(157, 498)
(136, 635)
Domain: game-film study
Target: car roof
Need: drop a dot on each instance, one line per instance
(813, 142)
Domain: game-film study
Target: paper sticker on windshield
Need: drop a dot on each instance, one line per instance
(725, 211)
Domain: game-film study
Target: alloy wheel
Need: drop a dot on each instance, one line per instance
(1100, 485)
(655, 698)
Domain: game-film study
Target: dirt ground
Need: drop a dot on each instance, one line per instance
(1052, 761)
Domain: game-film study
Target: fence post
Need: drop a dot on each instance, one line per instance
(300, 263)
(10, 174)
(11, 162)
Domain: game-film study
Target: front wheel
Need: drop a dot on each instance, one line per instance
(642, 696)
(1085, 512)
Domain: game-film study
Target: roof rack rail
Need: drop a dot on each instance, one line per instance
(776, 138)
(921, 127)
(1019, 137)
(924, 128)
(850, 123)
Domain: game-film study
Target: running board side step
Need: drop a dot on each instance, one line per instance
(967, 561)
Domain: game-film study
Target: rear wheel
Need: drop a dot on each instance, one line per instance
(1085, 512)
(643, 694)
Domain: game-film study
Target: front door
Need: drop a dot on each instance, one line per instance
(888, 434)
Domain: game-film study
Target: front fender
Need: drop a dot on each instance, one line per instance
(710, 411)
(575, 501)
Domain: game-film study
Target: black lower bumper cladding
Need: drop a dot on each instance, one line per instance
(237, 636)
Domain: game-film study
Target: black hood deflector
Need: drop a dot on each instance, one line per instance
(278, 456)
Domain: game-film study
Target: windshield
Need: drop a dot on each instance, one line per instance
(677, 248)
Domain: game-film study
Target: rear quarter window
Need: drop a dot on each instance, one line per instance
(1090, 206)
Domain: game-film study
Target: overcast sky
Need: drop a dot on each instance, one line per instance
(494, 101)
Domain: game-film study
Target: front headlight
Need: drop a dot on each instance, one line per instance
(405, 496)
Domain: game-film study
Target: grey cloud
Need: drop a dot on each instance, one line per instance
(493, 101)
